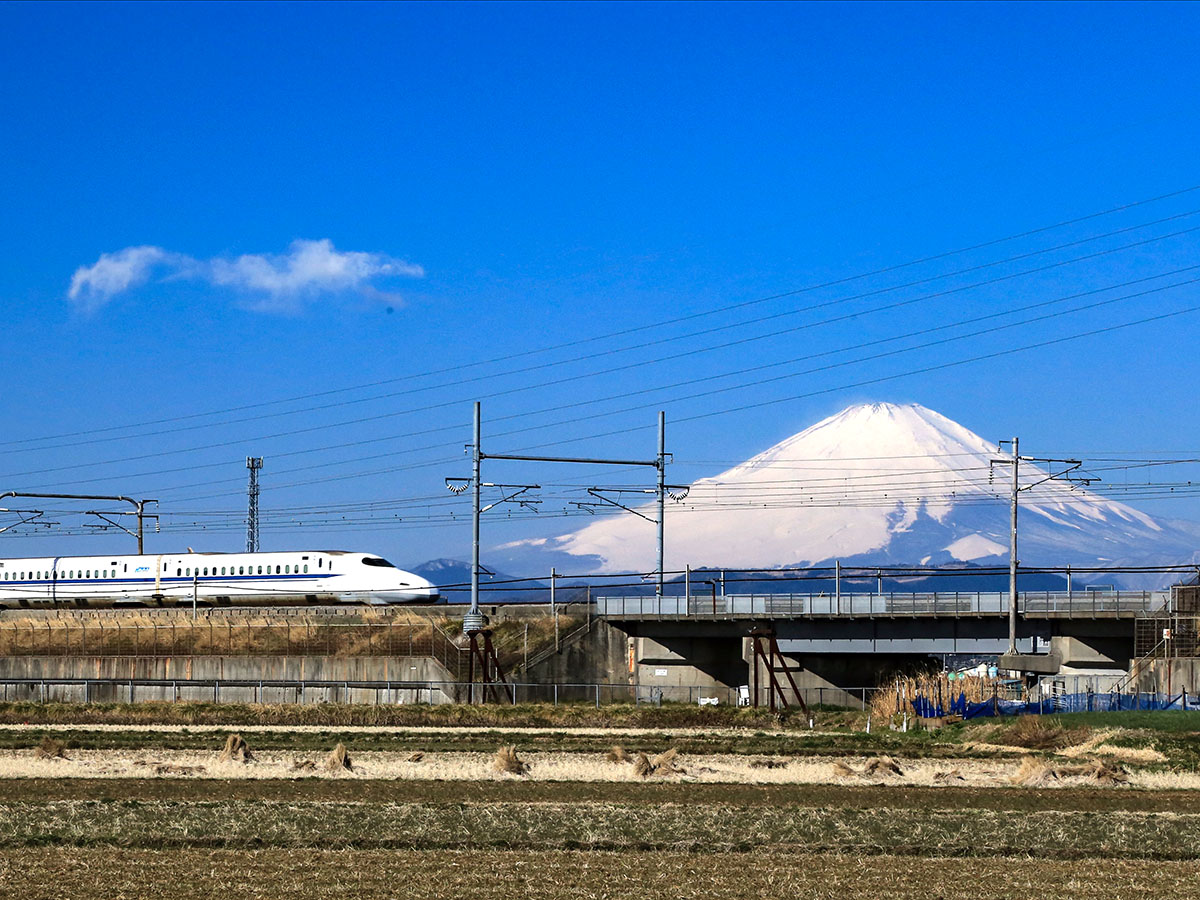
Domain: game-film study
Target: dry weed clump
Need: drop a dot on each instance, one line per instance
(51, 748)
(768, 763)
(618, 754)
(1036, 773)
(372, 633)
(1034, 733)
(416, 756)
(236, 750)
(172, 769)
(896, 698)
(882, 765)
(946, 776)
(508, 762)
(339, 760)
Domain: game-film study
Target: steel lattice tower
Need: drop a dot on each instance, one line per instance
(253, 463)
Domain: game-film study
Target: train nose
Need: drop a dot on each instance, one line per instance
(414, 590)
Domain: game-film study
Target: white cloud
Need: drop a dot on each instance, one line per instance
(307, 269)
(275, 282)
(93, 286)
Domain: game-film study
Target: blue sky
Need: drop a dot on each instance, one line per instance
(393, 195)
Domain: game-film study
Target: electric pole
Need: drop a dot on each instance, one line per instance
(253, 463)
(1065, 475)
(661, 461)
(1012, 550)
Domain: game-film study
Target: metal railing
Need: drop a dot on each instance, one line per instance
(135, 690)
(1080, 604)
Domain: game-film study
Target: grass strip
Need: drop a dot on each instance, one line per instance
(863, 797)
(675, 827)
(532, 715)
(482, 740)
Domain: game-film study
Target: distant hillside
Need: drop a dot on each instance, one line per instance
(453, 577)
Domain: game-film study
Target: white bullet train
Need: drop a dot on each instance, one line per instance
(295, 577)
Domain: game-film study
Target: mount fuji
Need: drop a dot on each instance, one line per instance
(876, 484)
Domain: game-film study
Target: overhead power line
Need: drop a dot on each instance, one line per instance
(671, 321)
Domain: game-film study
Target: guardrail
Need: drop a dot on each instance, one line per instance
(1040, 604)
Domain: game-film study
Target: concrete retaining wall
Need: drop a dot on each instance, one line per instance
(182, 670)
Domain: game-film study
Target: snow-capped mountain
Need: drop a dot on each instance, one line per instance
(876, 484)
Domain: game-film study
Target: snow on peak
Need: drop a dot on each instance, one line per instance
(878, 482)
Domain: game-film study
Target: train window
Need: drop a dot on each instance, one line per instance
(188, 572)
(178, 572)
(222, 570)
(260, 570)
(306, 567)
(319, 562)
(241, 570)
(206, 570)
(277, 568)
(376, 561)
(287, 570)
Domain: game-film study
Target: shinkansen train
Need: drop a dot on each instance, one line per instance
(306, 576)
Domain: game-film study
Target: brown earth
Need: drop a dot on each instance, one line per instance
(118, 874)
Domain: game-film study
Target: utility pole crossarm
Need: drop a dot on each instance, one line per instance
(474, 620)
(571, 459)
(139, 505)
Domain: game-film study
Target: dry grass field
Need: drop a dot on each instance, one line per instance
(1058, 808)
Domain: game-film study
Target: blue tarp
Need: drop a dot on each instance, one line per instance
(1060, 703)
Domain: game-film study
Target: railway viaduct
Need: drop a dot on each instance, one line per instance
(828, 643)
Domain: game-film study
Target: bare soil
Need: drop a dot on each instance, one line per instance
(104, 874)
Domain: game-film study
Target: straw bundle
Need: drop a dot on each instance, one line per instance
(50, 748)
(508, 762)
(339, 760)
(882, 765)
(663, 764)
(236, 750)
